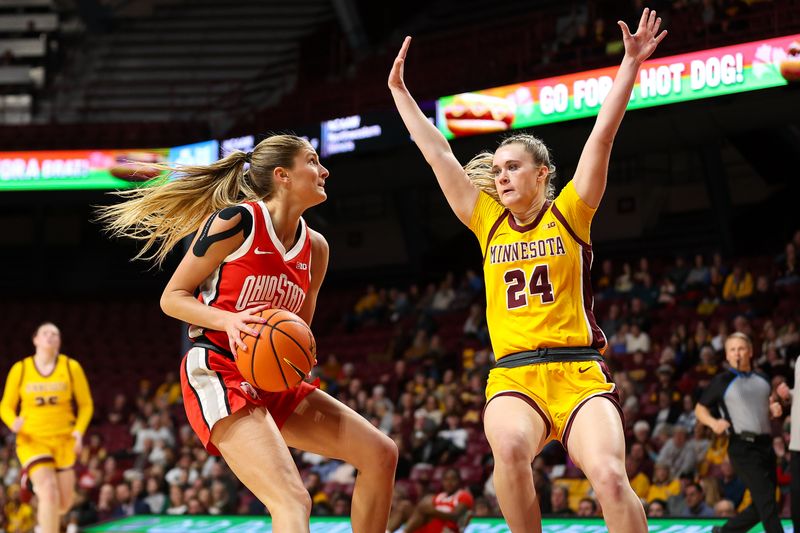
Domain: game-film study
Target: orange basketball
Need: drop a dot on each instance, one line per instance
(281, 356)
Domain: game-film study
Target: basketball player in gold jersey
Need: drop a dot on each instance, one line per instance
(550, 381)
(49, 433)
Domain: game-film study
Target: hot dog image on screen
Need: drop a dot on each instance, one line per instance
(471, 113)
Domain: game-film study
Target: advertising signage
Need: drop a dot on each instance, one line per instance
(662, 81)
(255, 524)
(96, 169)
(78, 169)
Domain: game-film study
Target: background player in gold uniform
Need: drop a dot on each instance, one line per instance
(550, 382)
(37, 406)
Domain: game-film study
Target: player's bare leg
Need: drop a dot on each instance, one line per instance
(66, 490)
(327, 427)
(252, 445)
(597, 446)
(516, 434)
(45, 485)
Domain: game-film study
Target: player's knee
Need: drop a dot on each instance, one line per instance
(46, 489)
(609, 481)
(382, 456)
(511, 449)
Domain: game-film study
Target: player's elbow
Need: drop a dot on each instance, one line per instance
(166, 302)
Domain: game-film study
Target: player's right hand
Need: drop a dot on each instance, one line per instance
(720, 426)
(17, 425)
(396, 75)
(238, 324)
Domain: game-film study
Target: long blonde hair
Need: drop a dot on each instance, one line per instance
(165, 212)
(479, 168)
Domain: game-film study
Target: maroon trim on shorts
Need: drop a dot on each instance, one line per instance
(527, 400)
(527, 227)
(40, 460)
(613, 397)
(65, 469)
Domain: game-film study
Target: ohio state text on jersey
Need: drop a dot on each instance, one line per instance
(260, 272)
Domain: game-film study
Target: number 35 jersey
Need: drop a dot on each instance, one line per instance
(538, 284)
(45, 401)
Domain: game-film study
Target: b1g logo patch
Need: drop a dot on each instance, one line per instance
(249, 390)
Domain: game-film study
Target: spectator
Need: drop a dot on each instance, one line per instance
(156, 500)
(663, 485)
(764, 299)
(724, 509)
(106, 504)
(657, 509)
(666, 292)
(587, 507)
(738, 285)
(699, 276)
(696, 506)
(637, 340)
(679, 452)
(559, 501)
(678, 272)
(687, 418)
(444, 295)
(606, 279)
(624, 282)
(170, 390)
(176, 505)
(19, 515)
(84, 511)
(612, 322)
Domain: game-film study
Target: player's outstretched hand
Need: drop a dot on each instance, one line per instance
(643, 43)
(238, 324)
(396, 75)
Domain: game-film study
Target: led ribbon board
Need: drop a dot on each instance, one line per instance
(78, 169)
(662, 81)
(257, 524)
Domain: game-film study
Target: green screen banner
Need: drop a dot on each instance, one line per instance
(666, 80)
(78, 169)
(251, 524)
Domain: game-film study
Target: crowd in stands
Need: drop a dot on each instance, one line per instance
(665, 323)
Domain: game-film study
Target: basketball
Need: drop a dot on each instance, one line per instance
(282, 354)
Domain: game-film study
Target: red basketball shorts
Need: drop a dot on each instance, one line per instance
(213, 388)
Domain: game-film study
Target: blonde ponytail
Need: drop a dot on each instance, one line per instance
(164, 212)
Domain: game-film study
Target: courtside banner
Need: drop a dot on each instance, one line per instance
(78, 169)
(256, 524)
(662, 81)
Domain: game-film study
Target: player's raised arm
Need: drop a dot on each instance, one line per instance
(459, 191)
(590, 176)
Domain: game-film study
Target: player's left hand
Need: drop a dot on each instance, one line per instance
(775, 409)
(78, 442)
(643, 43)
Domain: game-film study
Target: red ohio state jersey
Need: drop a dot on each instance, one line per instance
(259, 272)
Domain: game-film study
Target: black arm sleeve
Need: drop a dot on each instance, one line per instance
(713, 395)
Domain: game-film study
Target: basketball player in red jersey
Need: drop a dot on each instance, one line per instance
(550, 382)
(446, 512)
(253, 251)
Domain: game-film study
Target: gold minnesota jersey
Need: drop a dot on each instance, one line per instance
(538, 287)
(45, 401)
